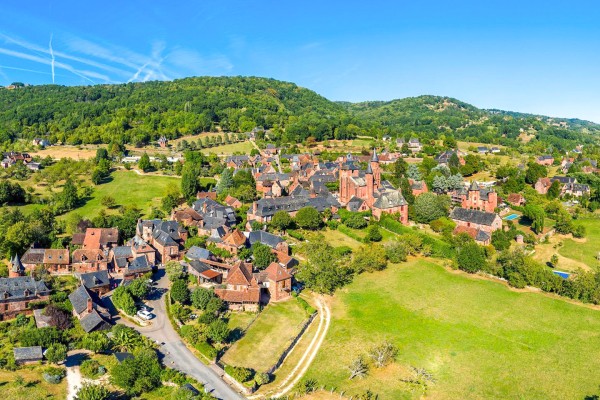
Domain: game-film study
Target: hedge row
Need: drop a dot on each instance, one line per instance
(439, 248)
(348, 232)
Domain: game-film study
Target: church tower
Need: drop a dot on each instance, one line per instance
(16, 267)
(375, 169)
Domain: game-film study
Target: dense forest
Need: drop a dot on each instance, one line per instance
(139, 113)
(433, 116)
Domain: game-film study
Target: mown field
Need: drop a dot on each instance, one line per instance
(228, 149)
(477, 338)
(128, 189)
(584, 250)
(267, 337)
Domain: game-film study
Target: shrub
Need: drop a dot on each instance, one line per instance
(305, 306)
(180, 292)
(342, 251)
(333, 224)
(90, 369)
(373, 234)
(296, 235)
(53, 375)
(396, 252)
(355, 221)
(240, 374)
(262, 378)
(90, 391)
(206, 350)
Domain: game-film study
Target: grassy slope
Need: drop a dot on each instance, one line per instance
(267, 337)
(243, 147)
(128, 189)
(479, 339)
(587, 249)
(35, 387)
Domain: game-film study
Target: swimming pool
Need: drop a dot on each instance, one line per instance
(562, 274)
(511, 217)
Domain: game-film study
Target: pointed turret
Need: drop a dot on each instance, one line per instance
(474, 186)
(374, 158)
(369, 169)
(17, 268)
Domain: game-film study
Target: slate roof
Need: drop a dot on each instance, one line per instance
(79, 299)
(16, 264)
(95, 279)
(564, 179)
(198, 253)
(92, 321)
(390, 200)
(355, 203)
(474, 216)
(122, 356)
(265, 238)
(199, 266)
(268, 207)
(28, 353)
(16, 288)
(139, 264)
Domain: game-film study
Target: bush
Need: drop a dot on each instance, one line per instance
(180, 292)
(90, 369)
(396, 252)
(373, 234)
(332, 224)
(90, 391)
(262, 378)
(342, 251)
(350, 233)
(305, 306)
(296, 235)
(355, 221)
(471, 258)
(53, 375)
(240, 374)
(206, 350)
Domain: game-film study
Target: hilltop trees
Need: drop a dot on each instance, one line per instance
(429, 206)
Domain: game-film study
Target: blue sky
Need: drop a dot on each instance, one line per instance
(529, 56)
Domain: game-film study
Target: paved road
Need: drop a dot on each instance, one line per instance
(176, 354)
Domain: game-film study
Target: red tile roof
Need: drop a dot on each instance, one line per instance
(234, 238)
(277, 273)
(241, 274)
(252, 295)
(97, 237)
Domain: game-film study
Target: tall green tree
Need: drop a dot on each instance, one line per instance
(225, 181)
(144, 163)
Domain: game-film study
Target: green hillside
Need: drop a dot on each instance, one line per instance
(139, 113)
(432, 116)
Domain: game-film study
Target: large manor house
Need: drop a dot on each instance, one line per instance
(362, 190)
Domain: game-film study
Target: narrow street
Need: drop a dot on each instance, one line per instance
(175, 353)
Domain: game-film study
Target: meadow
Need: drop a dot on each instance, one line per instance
(477, 338)
(267, 337)
(128, 189)
(587, 249)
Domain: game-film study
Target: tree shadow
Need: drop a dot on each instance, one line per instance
(235, 335)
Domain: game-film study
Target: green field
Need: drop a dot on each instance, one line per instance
(477, 338)
(587, 249)
(240, 147)
(34, 386)
(128, 189)
(267, 337)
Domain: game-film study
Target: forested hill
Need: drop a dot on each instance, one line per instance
(140, 113)
(431, 116)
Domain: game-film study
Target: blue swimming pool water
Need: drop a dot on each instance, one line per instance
(563, 275)
(511, 217)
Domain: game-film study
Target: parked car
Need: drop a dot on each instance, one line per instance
(145, 315)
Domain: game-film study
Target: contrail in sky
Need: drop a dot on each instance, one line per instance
(51, 55)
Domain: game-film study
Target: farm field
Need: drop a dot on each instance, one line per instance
(267, 337)
(228, 149)
(476, 337)
(128, 189)
(584, 250)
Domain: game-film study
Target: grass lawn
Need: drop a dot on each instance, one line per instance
(240, 320)
(267, 337)
(74, 152)
(584, 250)
(241, 147)
(34, 386)
(128, 189)
(337, 239)
(544, 252)
(477, 338)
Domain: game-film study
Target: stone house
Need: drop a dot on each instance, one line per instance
(86, 307)
(242, 290)
(55, 261)
(28, 355)
(89, 260)
(98, 282)
(478, 220)
(17, 293)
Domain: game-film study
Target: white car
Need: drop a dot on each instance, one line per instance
(145, 315)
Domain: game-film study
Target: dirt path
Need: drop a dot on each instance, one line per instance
(307, 358)
(74, 378)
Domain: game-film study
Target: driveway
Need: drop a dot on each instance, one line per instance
(174, 352)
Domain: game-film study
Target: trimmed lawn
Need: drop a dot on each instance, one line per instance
(240, 320)
(267, 337)
(34, 386)
(128, 189)
(337, 239)
(242, 147)
(584, 250)
(477, 338)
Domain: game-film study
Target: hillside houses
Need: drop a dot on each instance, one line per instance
(478, 224)
(87, 309)
(166, 237)
(568, 186)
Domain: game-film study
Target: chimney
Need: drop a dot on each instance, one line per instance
(90, 305)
